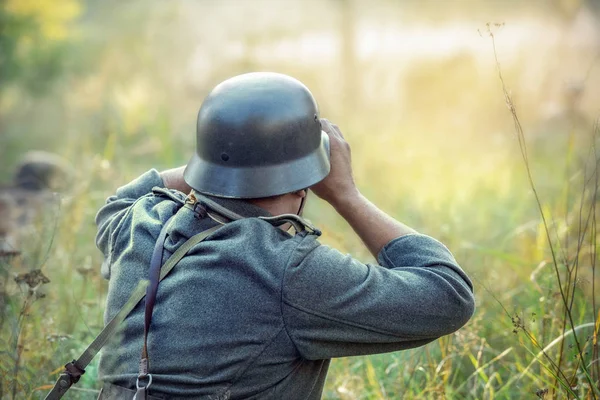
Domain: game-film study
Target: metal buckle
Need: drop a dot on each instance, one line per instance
(144, 388)
(192, 203)
(137, 382)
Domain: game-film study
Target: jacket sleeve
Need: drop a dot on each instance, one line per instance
(336, 306)
(109, 218)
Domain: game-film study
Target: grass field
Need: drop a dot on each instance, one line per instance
(444, 154)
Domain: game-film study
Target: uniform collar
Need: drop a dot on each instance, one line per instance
(239, 206)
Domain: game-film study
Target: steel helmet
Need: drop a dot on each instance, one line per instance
(258, 135)
(40, 170)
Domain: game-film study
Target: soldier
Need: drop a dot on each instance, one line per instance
(27, 204)
(30, 198)
(41, 171)
(254, 312)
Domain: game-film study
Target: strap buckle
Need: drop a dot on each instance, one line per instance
(192, 203)
(139, 386)
(142, 389)
(73, 371)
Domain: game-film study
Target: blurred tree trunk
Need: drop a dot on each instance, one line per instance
(350, 89)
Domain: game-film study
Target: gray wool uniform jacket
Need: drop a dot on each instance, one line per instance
(253, 312)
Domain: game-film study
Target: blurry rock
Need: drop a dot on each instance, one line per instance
(31, 200)
(40, 170)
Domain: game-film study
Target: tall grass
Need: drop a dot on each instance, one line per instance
(535, 330)
(521, 223)
(574, 377)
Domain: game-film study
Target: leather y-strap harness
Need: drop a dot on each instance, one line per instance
(157, 272)
(201, 205)
(76, 368)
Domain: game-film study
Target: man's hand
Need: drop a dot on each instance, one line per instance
(374, 227)
(339, 184)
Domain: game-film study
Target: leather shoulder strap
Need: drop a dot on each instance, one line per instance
(76, 368)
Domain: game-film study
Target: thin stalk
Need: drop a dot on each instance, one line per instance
(18, 346)
(517, 322)
(593, 247)
(581, 241)
(524, 154)
(573, 270)
(484, 366)
(543, 352)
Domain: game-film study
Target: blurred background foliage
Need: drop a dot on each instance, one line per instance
(113, 87)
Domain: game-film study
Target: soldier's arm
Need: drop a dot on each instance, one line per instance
(334, 305)
(372, 225)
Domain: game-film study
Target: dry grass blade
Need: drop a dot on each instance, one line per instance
(524, 154)
(484, 366)
(543, 352)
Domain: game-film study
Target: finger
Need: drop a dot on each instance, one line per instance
(324, 125)
(329, 129)
(335, 129)
(338, 131)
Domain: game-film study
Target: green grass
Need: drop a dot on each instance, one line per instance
(455, 173)
(495, 234)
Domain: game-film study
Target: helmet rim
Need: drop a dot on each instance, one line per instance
(259, 181)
